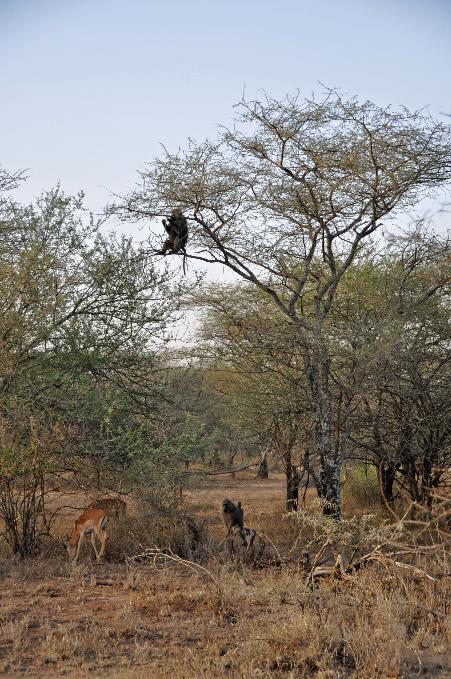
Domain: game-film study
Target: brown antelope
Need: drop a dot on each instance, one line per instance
(112, 506)
(92, 522)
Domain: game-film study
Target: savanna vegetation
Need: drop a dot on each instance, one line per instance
(313, 386)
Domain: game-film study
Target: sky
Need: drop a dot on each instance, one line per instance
(91, 88)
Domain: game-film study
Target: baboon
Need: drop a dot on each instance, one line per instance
(232, 515)
(112, 506)
(247, 536)
(176, 226)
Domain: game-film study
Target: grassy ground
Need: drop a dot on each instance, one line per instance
(241, 620)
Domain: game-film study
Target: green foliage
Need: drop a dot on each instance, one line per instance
(84, 321)
(159, 469)
(27, 456)
(362, 486)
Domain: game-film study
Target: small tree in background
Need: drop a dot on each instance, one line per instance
(259, 364)
(29, 451)
(392, 315)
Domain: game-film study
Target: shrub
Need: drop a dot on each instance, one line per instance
(22, 498)
(166, 528)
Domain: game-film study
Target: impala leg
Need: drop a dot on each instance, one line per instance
(93, 542)
(103, 538)
(80, 538)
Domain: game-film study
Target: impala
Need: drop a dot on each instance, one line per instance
(92, 522)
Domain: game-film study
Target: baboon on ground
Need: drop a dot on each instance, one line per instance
(232, 515)
(247, 536)
(112, 506)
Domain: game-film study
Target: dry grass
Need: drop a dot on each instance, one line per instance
(245, 621)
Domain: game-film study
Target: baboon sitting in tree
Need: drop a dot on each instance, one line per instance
(176, 226)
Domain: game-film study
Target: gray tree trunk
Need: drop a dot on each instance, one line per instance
(317, 369)
(262, 472)
(292, 478)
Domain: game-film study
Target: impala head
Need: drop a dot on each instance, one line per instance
(70, 549)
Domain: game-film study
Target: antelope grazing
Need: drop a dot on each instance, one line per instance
(92, 522)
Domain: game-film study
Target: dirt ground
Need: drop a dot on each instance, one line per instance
(113, 620)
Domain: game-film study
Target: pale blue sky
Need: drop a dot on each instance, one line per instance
(90, 87)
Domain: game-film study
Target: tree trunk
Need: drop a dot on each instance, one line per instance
(292, 491)
(330, 458)
(262, 472)
(311, 472)
(387, 474)
(330, 487)
(426, 483)
(293, 479)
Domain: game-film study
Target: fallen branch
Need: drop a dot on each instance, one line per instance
(224, 471)
(105, 583)
(340, 572)
(337, 570)
(313, 566)
(414, 569)
(155, 554)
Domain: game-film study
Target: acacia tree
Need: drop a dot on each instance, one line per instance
(84, 320)
(74, 300)
(396, 334)
(286, 199)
